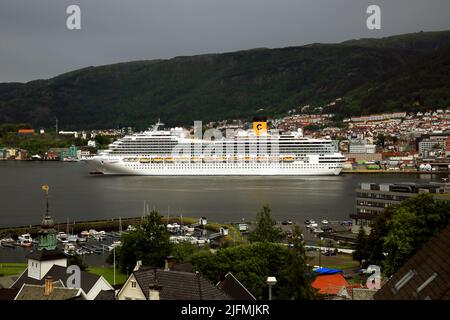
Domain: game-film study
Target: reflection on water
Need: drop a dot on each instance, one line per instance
(76, 195)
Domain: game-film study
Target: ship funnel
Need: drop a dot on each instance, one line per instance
(260, 127)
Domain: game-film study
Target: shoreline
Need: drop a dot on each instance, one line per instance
(105, 225)
(366, 171)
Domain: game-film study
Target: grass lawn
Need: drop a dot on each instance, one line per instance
(340, 261)
(11, 269)
(108, 274)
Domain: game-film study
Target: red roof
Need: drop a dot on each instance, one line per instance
(330, 284)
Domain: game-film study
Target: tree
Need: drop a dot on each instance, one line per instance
(380, 140)
(401, 230)
(77, 260)
(296, 276)
(182, 251)
(413, 223)
(149, 243)
(266, 230)
(251, 264)
(361, 249)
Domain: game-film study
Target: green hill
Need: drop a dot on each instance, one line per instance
(395, 73)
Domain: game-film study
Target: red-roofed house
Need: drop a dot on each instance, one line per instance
(26, 131)
(333, 285)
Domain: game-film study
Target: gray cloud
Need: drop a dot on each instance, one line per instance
(34, 41)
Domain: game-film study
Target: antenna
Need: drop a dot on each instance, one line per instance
(168, 213)
(56, 125)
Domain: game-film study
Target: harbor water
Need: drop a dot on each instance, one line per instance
(76, 195)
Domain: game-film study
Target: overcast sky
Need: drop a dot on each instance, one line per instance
(35, 43)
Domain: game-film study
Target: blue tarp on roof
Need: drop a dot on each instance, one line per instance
(327, 271)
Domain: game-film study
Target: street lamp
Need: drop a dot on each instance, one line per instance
(271, 281)
(320, 252)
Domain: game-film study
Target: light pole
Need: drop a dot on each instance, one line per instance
(114, 266)
(271, 281)
(320, 252)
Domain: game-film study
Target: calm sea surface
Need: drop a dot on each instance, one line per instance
(76, 195)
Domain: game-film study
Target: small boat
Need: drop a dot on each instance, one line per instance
(84, 234)
(7, 242)
(70, 249)
(61, 236)
(324, 221)
(131, 228)
(25, 240)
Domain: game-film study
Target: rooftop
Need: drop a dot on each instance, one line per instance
(88, 280)
(424, 276)
(178, 285)
(37, 292)
(330, 284)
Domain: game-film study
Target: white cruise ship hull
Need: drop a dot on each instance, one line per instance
(119, 167)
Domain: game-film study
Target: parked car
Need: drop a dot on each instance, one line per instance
(286, 222)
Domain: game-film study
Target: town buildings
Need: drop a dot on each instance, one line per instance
(373, 198)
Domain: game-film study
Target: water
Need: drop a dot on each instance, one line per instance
(76, 195)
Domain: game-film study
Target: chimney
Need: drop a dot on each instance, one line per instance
(154, 292)
(48, 289)
(169, 263)
(138, 265)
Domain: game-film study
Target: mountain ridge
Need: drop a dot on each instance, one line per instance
(217, 86)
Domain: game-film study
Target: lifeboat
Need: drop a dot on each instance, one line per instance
(274, 159)
(144, 160)
(168, 159)
(262, 159)
(195, 159)
(208, 159)
(183, 159)
(157, 160)
(288, 159)
(247, 159)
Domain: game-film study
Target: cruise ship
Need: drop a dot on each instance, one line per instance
(254, 152)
